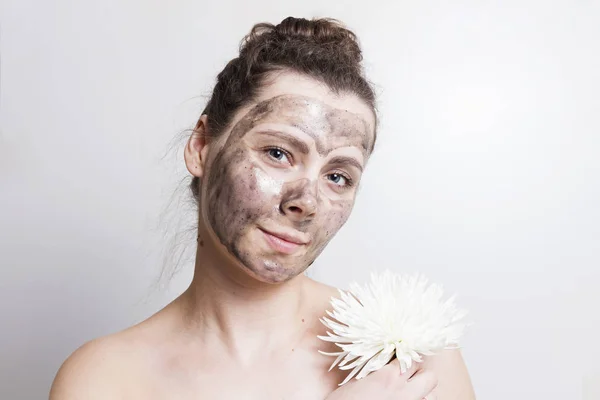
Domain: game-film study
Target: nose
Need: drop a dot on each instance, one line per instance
(299, 200)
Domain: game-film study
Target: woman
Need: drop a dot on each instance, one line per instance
(276, 158)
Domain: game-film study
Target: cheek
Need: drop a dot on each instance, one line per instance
(238, 193)
(334, 217)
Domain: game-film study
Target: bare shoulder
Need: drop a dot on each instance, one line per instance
(454, 382)
(94, 371)
(108, 367)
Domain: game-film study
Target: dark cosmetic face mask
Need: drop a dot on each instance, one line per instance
(268, 176)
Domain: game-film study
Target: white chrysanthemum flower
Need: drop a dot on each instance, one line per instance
(393, 315)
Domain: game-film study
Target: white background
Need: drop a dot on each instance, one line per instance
(486, 176)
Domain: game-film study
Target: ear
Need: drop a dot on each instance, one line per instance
(196, 149)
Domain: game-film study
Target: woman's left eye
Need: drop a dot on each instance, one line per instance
(339, 179)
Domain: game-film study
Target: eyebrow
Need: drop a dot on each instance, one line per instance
(346, 160)
(299, 144)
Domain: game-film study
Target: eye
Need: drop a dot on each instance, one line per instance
(278, 155)
(340, 179)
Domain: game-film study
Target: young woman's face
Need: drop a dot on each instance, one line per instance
(283, 179)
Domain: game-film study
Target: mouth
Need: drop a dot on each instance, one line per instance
(283, 242)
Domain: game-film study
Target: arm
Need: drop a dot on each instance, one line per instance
(454, 382)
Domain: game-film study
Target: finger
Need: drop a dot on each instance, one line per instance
(430, 396)
(391, 375)
(420, 385)
(394, 365)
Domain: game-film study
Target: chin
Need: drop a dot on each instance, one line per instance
(271, 271)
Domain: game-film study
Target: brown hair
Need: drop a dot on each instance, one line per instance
(322, 49)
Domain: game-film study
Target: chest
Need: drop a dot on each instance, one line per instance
(301, 375)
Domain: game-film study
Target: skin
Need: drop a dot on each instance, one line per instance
(246, 327)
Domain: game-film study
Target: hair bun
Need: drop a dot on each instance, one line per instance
(324, 29)
(321, 31)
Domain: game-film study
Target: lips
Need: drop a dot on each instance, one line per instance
(284, 242)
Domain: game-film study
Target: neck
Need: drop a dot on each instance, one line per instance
(230, 309)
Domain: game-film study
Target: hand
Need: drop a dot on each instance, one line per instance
(389, 384)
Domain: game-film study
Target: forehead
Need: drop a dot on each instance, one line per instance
(291, 83)
(328, 126)
(309, 105)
